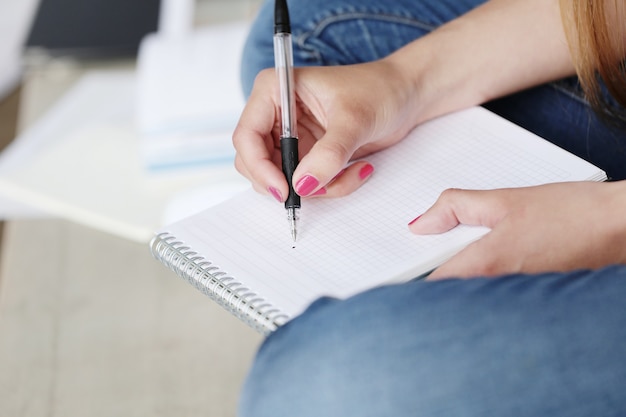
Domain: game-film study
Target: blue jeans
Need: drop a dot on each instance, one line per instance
(339, 32)
(549, 345)
(543, 345)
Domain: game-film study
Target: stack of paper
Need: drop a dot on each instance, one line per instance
(189, 96)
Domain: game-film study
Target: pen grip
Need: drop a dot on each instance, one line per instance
(289, 154)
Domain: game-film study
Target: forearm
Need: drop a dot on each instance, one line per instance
(610, 225)
(499, 48)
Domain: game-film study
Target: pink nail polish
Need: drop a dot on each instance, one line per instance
(276, 194)
(415, 219)
(306, 185)
(366, 171)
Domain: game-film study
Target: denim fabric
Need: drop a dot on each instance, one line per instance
(339, 32)
(550, 345)
(547, 345)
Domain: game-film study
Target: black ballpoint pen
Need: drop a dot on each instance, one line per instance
(283, 59)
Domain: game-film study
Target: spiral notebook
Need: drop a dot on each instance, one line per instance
(240, 252)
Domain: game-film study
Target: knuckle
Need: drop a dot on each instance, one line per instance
(239, 165)
(236, 138)
(333, 153)
(450, 194)
(264, 77)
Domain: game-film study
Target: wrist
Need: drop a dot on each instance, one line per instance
(616, 229)
(436, 85)
(469, 60)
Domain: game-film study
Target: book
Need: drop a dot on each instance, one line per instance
(240, 252)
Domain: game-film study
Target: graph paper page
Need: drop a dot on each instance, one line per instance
(349, 244)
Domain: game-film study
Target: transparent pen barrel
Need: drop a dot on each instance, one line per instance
(283, 58)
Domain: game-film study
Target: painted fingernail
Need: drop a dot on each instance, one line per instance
(366, 171)
(321, 191)
(276, 194)
(306, 185)
(415, 219)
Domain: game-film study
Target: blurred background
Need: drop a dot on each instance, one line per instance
(115, 120)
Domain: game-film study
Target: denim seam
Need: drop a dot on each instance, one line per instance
(327, 21)
(318, 27)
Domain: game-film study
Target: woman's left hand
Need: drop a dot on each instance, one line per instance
(554, 227)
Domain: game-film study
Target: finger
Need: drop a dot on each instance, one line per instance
(347, 181)
(253, 138)
(326, 159)
(454, 206)
(256, 163)
(241, 168)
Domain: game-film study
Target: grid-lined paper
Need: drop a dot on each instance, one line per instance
(350, 244)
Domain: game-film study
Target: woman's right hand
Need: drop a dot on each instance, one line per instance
(343, 113)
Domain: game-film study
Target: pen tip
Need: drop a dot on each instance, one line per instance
(292, 216)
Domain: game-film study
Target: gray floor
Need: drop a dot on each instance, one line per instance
(91, 325)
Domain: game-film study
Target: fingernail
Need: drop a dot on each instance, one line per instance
(366, 171)
(321, 191)
(276, 194)
(415, 219)
(306, 185)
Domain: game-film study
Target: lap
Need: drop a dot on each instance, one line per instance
(516, 346)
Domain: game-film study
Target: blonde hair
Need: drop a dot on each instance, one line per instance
(596, 37)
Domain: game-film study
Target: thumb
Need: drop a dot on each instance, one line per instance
(328, 156)
(455, 206)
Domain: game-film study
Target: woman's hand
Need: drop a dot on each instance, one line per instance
(556, 227)
(343, 113)
(346, 112)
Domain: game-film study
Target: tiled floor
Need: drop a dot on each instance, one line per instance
(91, 325)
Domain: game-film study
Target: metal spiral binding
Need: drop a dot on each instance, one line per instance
(216, 284)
